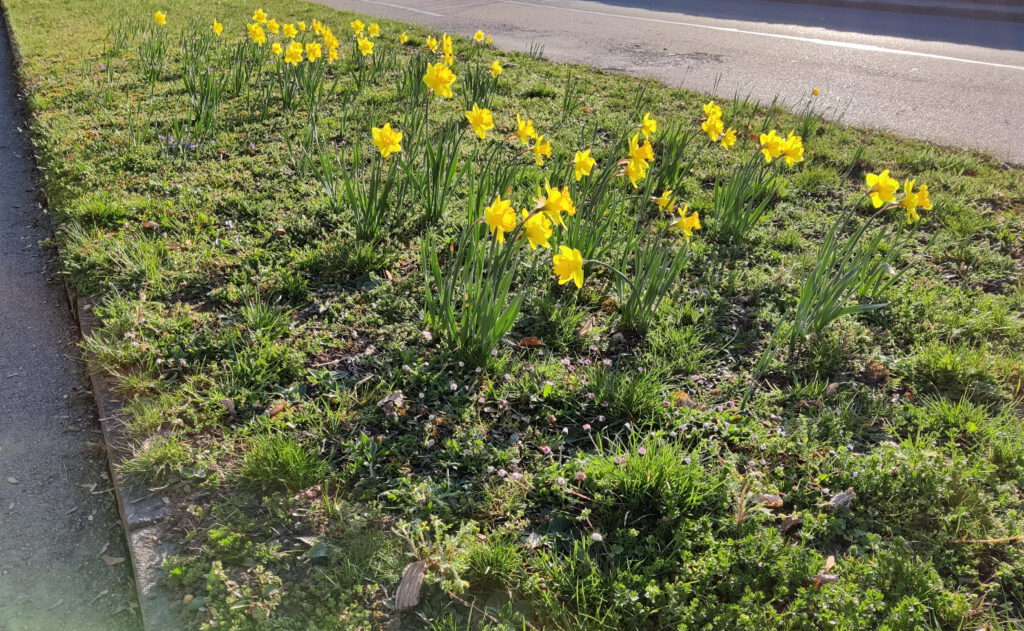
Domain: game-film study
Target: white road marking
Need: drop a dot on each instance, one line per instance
(810, 40)
(399, 6)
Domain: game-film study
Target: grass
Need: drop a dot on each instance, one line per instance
(280, 374)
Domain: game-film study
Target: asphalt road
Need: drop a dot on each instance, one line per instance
(952, 81)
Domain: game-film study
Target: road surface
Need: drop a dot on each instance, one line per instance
(949, 80)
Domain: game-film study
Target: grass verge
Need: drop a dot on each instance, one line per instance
(591, 465)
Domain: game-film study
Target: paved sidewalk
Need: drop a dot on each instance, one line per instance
(60, 536)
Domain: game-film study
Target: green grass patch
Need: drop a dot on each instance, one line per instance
(777, 422)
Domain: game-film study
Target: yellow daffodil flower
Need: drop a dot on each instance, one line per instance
(273, 27)
(357, 27)
(259, 16)
(289, 31)
(403, 37)
(909, 201)
(481, 120)
(524, 130)
(636, 170)
(257, 34)
(540, 150)
(644, 152)
(302, 26)
(217, 27)
(330, 41)
(664, 201)
(711, 110)
(387, 140)
(648, 126)
(647, 150)
(500, 218)
(771, 146)
(478, 36)
(793, 149)
(568, 265)
(365, 46)
(276, 48)
(552, 203)
(634, 148)
(447, 45)
(332, 54)
(582, 164)
(160, 18)
(565, 201)
(313, 51)
(687, 223)
(729, 138)
(815, 92)
(293, 55)
(439, 79)
(923, 199)
(713, 127)
(881, 187)
(537, 228)
(488, 40)
(318, 27)
(496, 69)
(432, 43)
(913, 200)
(373, 30)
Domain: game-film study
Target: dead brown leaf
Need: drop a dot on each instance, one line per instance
(275, 409)
(823, 579)
(769, 500)
(530, 341)
(393, 404)
(683, 399)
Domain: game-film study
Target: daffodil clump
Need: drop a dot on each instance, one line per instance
(714, 127)
(882, 189)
